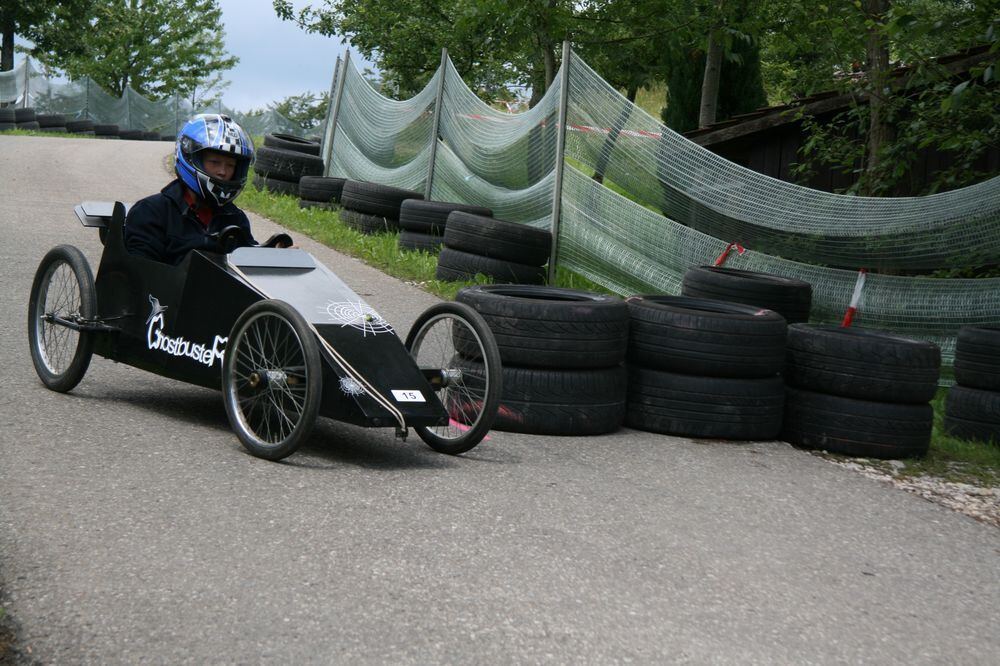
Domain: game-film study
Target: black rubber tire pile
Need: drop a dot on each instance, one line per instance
(705, 368)
(372, 208)
(507, 252)
(8, 119)
(972, 408)
(859, 392)
(23, 118)
(108, 131)
(562, 352)
(320, 191)
(790, 298)
(283, 160)
(422, 223)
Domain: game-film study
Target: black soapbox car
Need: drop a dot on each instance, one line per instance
(282, 336)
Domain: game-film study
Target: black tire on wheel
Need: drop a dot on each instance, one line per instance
(471, 399)
(790, 298)
(272, 379)
(860, 363)
(431, 217)
(455, 265)
(498, 239)
(856, 427)
(552, 327)
(367, 224)
(291, 142)
(320, 188)
(374, 199)
(712, 407)
(977, 357)
(417, 242)
(698, 336)
(287, 165)
(971, 413)
(63, 287)
(543, 401)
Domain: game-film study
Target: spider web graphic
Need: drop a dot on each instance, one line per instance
(357, 315)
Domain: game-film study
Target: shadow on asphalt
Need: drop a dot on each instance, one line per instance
(332, 443)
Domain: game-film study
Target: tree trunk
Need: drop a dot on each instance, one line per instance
(710, 84)
(877, 48)
(7, 50)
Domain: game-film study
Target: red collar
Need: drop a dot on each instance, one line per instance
(201, 210)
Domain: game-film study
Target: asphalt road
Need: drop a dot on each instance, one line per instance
(135, 529)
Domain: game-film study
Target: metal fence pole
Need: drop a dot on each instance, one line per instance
(86, 103)
(329, 102)
(331, 130)
(437, 124)
(560, 158)
(27, 82)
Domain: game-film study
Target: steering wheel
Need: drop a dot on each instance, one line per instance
(231, 238)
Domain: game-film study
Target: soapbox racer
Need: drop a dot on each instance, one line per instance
(282, 336)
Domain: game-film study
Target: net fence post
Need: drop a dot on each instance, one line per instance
(329, 102)
(437, 124)
(86, 102)
(560, 159)
(27, 82)
(332, 127)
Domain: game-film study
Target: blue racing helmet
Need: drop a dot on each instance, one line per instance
(218, 133)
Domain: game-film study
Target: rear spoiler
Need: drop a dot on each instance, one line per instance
(96, 213)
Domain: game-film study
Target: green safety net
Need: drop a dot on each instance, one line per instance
(685, 205)
(26, 85)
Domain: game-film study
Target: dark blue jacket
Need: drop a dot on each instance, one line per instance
(164, 228)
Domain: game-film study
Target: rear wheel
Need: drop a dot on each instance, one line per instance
(471, 401)
(62, 292)
(272, 379)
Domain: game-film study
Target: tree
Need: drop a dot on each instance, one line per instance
(152, 46)
(49, 24)
(305, 110)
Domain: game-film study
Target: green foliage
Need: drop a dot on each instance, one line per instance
(305, 110)
(46, 23)
(932, 107)
(156, 48)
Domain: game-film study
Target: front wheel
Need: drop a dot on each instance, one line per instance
(272, 379)
(62, 296)
(471, 401)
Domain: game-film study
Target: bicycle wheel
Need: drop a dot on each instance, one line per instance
(62, 292)
(471, 402)
(272, 379)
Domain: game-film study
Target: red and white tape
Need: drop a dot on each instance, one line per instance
(855, 299)
(721, 259)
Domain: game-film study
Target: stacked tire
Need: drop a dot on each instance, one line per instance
(972, 408)
(84, 126)
(106, 131)
(8, 119)
(859, 392)
(506, 252)
(704, 368)
(51, 122)
(562, 352)
(320, 192)
(26, 119)
(282, 162)
(125, 134)
(422, 223)
(372, 208)
(790, 298)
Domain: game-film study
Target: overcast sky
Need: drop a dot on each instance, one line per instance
(277, 58)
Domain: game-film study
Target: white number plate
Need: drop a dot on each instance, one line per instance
(408, 396)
